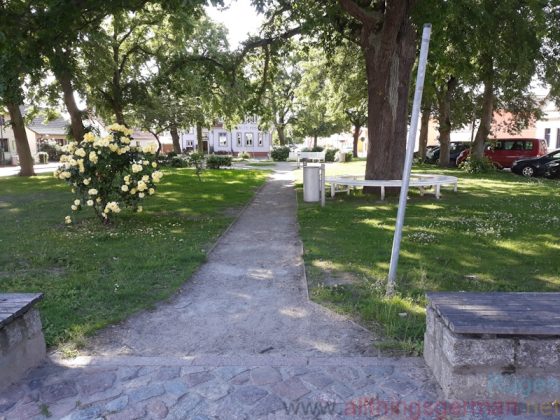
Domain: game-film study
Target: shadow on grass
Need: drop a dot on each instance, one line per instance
(498, 233)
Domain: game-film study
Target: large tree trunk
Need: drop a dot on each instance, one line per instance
(175, 137)
(119, 114)
(356, 139)
(486, 116)
(280, 130)
(76, 124)
(389, 54)
(22, 144)
(445, 121)
(315, 141)
(423, 139)
(199, 137)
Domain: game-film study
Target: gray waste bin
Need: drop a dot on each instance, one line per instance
(311, 184)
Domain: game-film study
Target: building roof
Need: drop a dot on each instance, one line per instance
(56, 127)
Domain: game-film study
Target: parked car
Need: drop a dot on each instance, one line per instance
(547, 165)
(455, 149)
(504, 152)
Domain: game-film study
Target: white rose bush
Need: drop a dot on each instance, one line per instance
(108, 174)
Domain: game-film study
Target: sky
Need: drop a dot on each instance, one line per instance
(239, 17)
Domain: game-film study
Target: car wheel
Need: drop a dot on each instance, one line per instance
(528, 171)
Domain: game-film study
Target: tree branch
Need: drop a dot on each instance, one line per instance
(359, 13)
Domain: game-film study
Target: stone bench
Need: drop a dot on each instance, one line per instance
(495, 346)
(22, 345)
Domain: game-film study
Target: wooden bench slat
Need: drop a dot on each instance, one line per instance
(528, 313)
(13, 305)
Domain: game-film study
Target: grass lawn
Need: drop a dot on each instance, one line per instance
(500, 232)
(93, 275)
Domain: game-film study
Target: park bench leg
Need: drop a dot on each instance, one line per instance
(455, 187)
(422, 191)
(333, 188)
(382, 193)
(438, 194)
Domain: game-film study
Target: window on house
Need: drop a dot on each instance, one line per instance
(222, 139)
(239, 144)
(249, 139)
(4, 145)
(260, 139)
(547, 136)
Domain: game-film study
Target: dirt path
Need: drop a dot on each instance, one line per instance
(250, 297)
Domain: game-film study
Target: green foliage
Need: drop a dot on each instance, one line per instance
(317, 115)
(218, 161)
(349, 156)
(475, 165)
(280, 154)
(178, 161)
(108, 174)
(330, 155)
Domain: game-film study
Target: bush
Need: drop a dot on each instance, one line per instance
(330, 155)
(474, 165)
(216, 162)
(108, 173)
(43, 157)
(243, 155)
(280, 154)
(52, 148)
(313, 149)
(349, 156)
(171, 154)
(178, 161)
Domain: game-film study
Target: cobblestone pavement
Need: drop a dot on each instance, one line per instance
(128, 387)
(240, 341)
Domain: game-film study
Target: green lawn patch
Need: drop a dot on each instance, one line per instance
(500, 232)
(93, 275)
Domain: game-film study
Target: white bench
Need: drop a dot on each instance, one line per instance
(420, 181)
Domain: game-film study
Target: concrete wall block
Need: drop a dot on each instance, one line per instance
(32, 320)
(15, 332)
(462, 352)
(539, 353)
(430, 320)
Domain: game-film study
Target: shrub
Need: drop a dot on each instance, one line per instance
(317, 149)
(330, 154)
(171, 154)
(52, 148)
(216, 162)
(43, 157)
(349, 156)
(197, 161)
(243, 155)
(108, 173)
(280, 154)
(474, 165)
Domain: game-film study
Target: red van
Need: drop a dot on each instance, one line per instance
(503, 152)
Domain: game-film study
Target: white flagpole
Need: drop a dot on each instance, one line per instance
(391, 279)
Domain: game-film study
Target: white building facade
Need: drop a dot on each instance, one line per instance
(246, 137)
